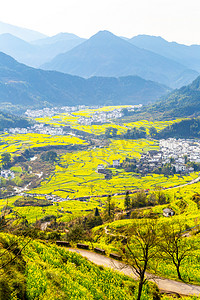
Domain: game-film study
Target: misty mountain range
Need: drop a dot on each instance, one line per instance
(23, 85)
(111, 70)
(105, 54)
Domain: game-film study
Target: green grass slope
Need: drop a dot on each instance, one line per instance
(50, 272)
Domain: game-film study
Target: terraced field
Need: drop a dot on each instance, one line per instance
(72, 120)
(75, 174)
(16, 143)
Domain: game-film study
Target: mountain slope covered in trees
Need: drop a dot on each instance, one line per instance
(22, 85)
(183, 102)
(9, 121)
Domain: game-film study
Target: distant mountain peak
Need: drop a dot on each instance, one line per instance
(104, 35)
(23, 33)
(149, 36)
(66, 35)
(107, 55)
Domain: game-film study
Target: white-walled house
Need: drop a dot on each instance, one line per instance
(168, 212)
(100, 167)
(116, 163)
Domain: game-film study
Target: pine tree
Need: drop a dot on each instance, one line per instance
(96, 214)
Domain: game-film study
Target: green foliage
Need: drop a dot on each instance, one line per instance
(76, 233)
(127, 201)
(12, 265)
(153, 132)
(28, 153)
(110, 208)
(180, 103)
(196, 199)
(45, 271)
(10, 121)
(50, 156)
(125, 112)
(139, 199)
(93, 221)
(96, 214)
(135, 133)
(6, 160)
(54, 273)
(189, 128)
(167, 169)
(31, 201)
(111, 132)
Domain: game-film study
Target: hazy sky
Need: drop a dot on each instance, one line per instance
(175, 20)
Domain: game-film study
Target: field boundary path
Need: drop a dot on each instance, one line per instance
(185, 184)
(165, 285)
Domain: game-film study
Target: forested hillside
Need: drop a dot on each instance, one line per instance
(183, 102)
(26, 86)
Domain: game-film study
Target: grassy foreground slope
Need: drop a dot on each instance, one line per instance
(48, 272)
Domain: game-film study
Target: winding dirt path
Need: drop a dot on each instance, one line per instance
(166, 285)
(185, 184)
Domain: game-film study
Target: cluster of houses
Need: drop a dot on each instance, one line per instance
(37, 128)
(101, 169)
(176, 152)
(100, 117)
(52, 198)
(115, 164)
(181, 151)
(50, 112)
(7, 174)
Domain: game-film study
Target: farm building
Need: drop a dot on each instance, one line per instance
(168, 212)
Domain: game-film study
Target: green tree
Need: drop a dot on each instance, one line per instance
(173, 246)
(50, 156)
(139, 199)
(141, 249)
(110, 208)
(111, 132)
(76, 233)
(127, 201)
(6, 160)
(185, 158)
(153, 132)
(93, 221)
(161, 197)
(196, 199)
(96, 214)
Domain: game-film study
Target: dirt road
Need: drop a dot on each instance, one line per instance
(163, 284)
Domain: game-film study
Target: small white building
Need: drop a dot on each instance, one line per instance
(168, 212)
(100, 168)
(7, 174)
(179, 168)
(116, 163)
